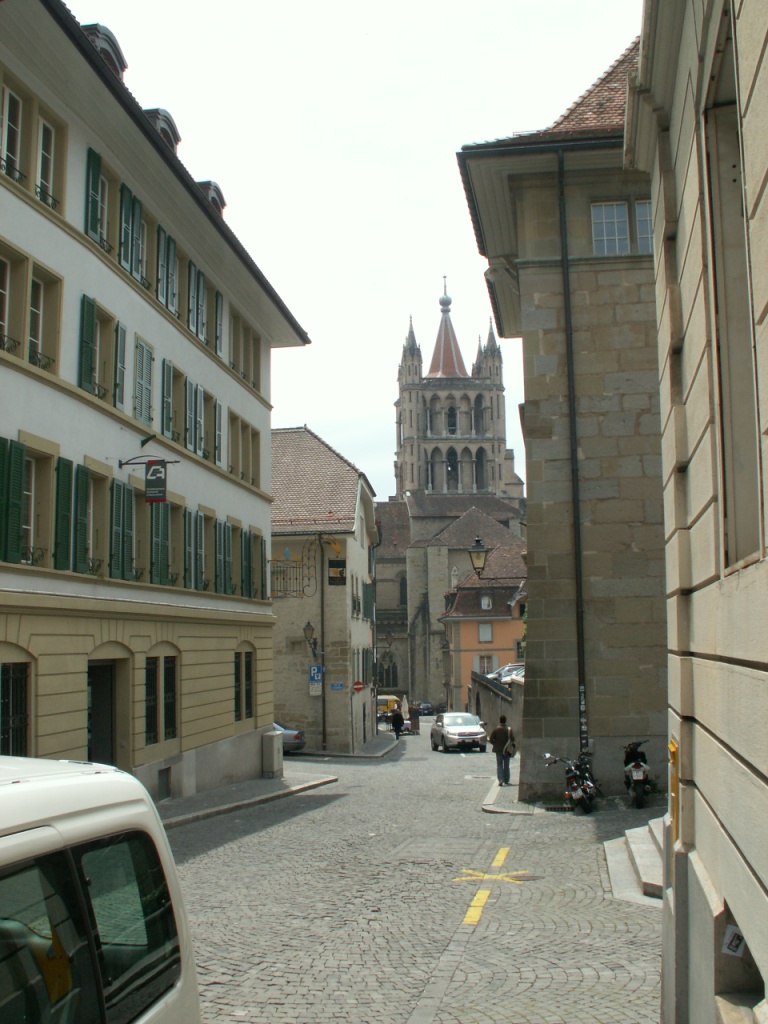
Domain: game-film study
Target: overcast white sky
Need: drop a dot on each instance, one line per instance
(332, 129)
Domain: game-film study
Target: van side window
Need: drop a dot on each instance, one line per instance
(46, 968)
(58, 966)
(137, 940)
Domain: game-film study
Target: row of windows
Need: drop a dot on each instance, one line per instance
(31, 142)
(30, 298)
(362, 606)
(71, 517)
(611, 234)
(116, 219)
(32, 147)
(161, 690)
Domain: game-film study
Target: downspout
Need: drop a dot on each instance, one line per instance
(322, 637)
(575, 499)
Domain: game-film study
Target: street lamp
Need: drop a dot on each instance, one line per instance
(478, 554)
(309, 636)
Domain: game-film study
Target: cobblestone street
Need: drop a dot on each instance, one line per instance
(390, 896)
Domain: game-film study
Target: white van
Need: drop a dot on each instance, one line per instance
(92, 924)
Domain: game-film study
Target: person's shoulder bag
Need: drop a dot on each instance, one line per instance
(510, 747)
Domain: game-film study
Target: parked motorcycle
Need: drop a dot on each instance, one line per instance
(582, 787)
(636, 779)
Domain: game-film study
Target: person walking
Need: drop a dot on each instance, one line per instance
(397, 721)
(499, 738)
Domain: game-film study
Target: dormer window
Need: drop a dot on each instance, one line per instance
(486, 602)
(165, 126)
(214, 195)
(108, 47)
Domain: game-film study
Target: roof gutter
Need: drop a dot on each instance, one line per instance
(71, 27)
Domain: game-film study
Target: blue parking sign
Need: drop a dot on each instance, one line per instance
(315, 673)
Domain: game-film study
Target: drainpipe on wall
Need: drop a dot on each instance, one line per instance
(577, 552)
(322, 636)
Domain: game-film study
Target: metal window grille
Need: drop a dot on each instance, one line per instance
(169, 698)
(150, 701)
(248, 683)
(14, 716)
(238, 688)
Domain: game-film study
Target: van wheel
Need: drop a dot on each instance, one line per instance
(481, 748)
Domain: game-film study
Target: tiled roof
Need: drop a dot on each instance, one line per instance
(474, 523)
(597, 112)
(313, 486)
(446, 359)
(602, 106)
(450, 506)
(504, 564)
(395, 529)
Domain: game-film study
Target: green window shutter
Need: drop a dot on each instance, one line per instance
(128, 521)
(165, 544)
(263, 587)
(199, 420)
(136, 253)
(218, 579)
(62, 531)
(82, 482)
(167, 411)
(189, 548)
(201, 317)
(143, 400)
(219, 325)
(16, 456)
(126, 222)
(3, 495)
(92, 180)
(227, 558)
(245, 567)
(87, 342)
(217, 449)
(199, 551)
(161, 272)
(117, 499)
(189, 414)
(154, 542)
(172, 282)
(118, 393)
(368, 601)
(192, 297)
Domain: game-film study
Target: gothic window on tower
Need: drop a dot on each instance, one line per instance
(452, 419)
(452, 470)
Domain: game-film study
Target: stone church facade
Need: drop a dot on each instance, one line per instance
(455, 481)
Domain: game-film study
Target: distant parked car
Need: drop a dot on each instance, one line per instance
(425, 708)
(456, 730)
(504, 673)
(293, 739)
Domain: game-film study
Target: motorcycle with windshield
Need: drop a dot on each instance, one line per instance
(581, 786)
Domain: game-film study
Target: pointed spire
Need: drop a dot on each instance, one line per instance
(446, 359)
(492, 343)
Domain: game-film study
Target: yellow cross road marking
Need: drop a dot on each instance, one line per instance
(470, 875)
(472, 916)
(500, 857)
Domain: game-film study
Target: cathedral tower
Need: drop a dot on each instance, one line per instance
(451, 427)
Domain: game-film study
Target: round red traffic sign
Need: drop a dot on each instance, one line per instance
(357, 686)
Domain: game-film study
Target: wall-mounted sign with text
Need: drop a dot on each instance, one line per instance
(337, 572)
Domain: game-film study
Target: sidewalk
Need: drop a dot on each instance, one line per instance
(296, 779)
(504, 799)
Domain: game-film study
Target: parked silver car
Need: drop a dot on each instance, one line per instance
(455, 730)
(293, 739)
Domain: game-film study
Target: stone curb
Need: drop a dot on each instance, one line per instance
(210, 812)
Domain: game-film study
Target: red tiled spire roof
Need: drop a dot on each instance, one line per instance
(446, 359)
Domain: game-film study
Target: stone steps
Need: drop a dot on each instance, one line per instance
(635, 863)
